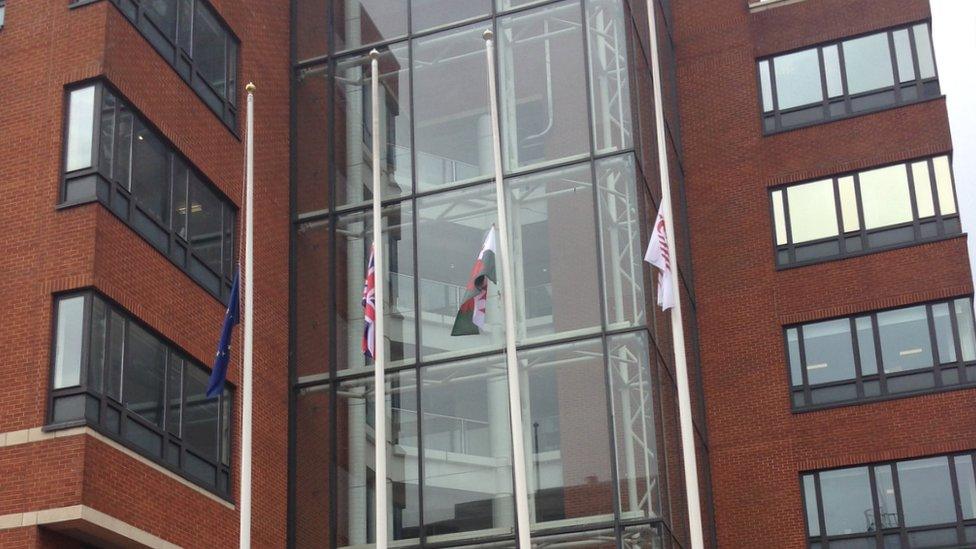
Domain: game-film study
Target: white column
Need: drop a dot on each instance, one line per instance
(690, 459)
(248, 326)
(379, 361)
(514, 399)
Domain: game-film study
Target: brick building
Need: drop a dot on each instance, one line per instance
(808, 153)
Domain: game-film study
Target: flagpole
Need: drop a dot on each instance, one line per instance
(379, 277)
(248, 328)
(690, 459)
(514, 399)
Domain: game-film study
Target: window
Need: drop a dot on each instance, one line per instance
(866, 211)
(200, 47)
(838, 80)
(3, 11)
(884, 354)
(927, 502)
(115, 375)
(113, 156)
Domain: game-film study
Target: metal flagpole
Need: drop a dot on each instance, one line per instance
(379, 277)
(677, 324)
(248, 305)
(514, 399)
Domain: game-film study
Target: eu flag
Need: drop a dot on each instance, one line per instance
(231, 318)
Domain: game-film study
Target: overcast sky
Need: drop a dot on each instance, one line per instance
(954, 33)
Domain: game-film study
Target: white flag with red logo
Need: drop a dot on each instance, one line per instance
(659, 255)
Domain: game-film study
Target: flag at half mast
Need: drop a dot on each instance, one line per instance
(659, 255)
(470, 319)
(369, 307)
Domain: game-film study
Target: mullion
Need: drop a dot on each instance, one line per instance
(957, 341)
(890, 39)
(934, 342)
(807, 392)
(956, 499)
(936, 204)
(878, 525)
(913, 201)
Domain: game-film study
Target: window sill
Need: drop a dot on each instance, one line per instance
(763, 5)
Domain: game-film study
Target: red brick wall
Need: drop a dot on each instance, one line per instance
(46, 45)
(758, 447)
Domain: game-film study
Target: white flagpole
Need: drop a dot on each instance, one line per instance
(379, 360)
(677, 325)
(514, 399)
(248, 321)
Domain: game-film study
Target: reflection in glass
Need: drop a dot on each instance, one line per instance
(813, 213)
(354, 239)
(923, 43)
(903, 53)
(609, 74)
(620, 222)
(452, 125)
(846, 495)
(635, 434)
(150, 173)
(81, 124)
(543, 118)
(885, 197)
(835, 85)
(926, 491)
(887, 502)
(550, 215)
(923, 189)
(567, 443)
(452, 228)
(209, 53)
(798, 79)
(467, 449)
(67, 358)
(810, 502)
(354, 126)
(427, 14)
(360, 22)
(313, 451)
(200, 430)
(144, 374)
(867, 62)
(967, 485)
(829, 351)
(966, 328)
(943, 333)
(905, 343)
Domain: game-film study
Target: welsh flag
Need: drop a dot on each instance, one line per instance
(470, 318)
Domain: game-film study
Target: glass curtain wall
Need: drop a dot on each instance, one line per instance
(574, 189)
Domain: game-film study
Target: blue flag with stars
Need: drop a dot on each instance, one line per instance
(231, 318)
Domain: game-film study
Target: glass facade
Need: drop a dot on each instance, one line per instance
(576, 200)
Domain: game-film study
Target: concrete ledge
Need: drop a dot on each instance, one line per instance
(36, 434)
(86, 524)
(765, 5)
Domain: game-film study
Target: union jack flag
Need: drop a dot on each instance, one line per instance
(369, 309)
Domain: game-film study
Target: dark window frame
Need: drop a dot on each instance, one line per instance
(926, 89)
(97, 186)
(964, 370)
(97, 406)
(965, 528)
(946, 225)
(224, 106)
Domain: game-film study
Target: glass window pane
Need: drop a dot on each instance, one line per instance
(205, 223)
(467, 448)
(354, 126)
(209, 54)
(798, 79)
(620, 222)
(887, 502)
(163, 14)
(926, 491)
(313, 141)
(609, 74)
(766, 85)
(200, 428)
(311, 28)
(966, 327)
(313, 452)
(67, 356)
(923, 45)
(779, 218)
(98, 349)
(943, 333)
(81, 128)
(113, 376)
(557, 290)
(359, 22)
(356, 475)
(123, 146)
(632, 395)
(106, 137)
(829, 351)
(150, 184)
(943, 181)
(905, 343)
(181, 175)
(867, 61)
(354, 242)
(847, 502)
(835, 85)
(903, 52)
(796, 365)
(865, 346)
(185, 28)
(452, 126)
(923, 189)
(813, 511)
(885, 197)
(567, 439)
(427, 14)
(848, 204)
(542, 119)
(813, 213)
(174, 394)
(452, 229)
(143, 375)
(967, 486)
(402, 468)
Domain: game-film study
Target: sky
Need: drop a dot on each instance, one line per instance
(954, 33)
